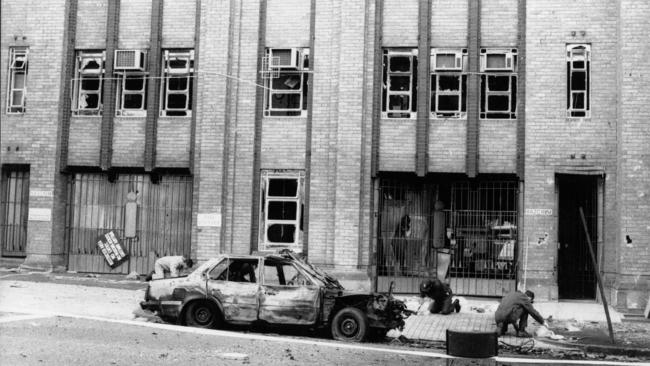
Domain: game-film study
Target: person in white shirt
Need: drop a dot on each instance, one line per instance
(170, 266)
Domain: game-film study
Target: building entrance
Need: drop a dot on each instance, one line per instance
(576, 276)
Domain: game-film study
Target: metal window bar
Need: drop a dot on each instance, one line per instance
(13, 212)
(478, 242)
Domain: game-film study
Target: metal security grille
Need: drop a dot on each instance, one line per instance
(96, 206)
(467, 230)
(13, 211)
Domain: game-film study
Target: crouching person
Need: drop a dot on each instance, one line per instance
(170, 266)
(441, 295)
(514, 309)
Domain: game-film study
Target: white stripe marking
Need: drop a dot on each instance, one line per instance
(16, 318)
(260, 337)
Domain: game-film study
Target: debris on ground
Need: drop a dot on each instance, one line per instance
(133, 276)
(92, 275)
(543, 332)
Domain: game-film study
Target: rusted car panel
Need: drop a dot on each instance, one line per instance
(276, 289)
(289, 304)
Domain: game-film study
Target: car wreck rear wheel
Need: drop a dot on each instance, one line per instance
(201, 314)
(350, 325)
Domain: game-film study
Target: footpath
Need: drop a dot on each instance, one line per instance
(582, 326)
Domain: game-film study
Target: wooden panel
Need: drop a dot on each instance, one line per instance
(97, 206)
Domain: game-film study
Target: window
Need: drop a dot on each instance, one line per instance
(278, 273)
(88, 83)
(17, 77)
(448, 83)
(176, 86)
(281, 206)
(498, 83)
(286, 74)
(130, 69)
(235, 270)
(399, 83)
(578, 59)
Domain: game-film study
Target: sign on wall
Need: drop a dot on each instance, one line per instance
(112, 249)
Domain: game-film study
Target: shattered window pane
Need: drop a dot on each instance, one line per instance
(285, 101)
(90, 101)
(287, 82)
(271, 276)
(281, 233)
(282, 210)
(578, 100)
(399, 103)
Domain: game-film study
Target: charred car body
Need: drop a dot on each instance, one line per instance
(279, 289)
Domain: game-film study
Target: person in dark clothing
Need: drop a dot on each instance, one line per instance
(441, 295)
(514, 309)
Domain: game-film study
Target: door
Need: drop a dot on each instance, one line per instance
(288, 295)
(13, 211)
(576, 276)
(233, 283)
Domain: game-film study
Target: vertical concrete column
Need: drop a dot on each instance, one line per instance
(308, 132)
(65, 109)
(521, 89)
(153, 87)
(195, 81)
(377, 86)
(108, 114)
(424, 50)
(473, 92)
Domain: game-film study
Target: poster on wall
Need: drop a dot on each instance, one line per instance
(112, 249)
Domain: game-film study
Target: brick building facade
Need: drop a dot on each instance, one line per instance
(385, 140)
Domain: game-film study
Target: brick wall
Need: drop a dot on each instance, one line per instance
(448, 23)
(397, 145)
(400, 23)
(91, 24)
(633, 183)
(128, 141)
(499, 23)
(135, 24)
(283, 143)
(173, 142)
(497, 146)
(551, 137)
(30, 138)
(287, 23)
(84, 141)
(447, 145)
(179, 23)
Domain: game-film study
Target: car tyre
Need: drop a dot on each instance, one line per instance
(350, 325)
(202, 314)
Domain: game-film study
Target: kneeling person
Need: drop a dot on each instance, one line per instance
(514, 309)
(170, 265)
(441, 295)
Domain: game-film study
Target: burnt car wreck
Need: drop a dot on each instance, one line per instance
(275, 289)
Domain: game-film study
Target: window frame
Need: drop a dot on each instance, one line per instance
(571, 57)
(15, 54)
(387, 93)
(509, 71)
(122, 92)
(167, 73)
(266, 222)
(459, 71)
(272, 68)
(80, 75)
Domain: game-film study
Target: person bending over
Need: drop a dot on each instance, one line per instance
(441, 295)
(169, 266)
(514, 309)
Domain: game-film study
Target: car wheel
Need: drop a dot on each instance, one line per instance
(350, 325)
(201, 314)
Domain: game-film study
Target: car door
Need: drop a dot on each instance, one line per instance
(288, 295)
(235, 290)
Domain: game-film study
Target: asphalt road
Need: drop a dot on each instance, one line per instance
(53, 340)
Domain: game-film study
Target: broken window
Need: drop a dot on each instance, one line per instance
(88, 83)
(17, 79)
(578, 71)
(448, 83)
(130, 69)
(283, 274)
(286, 74)
(498, 84)
(282, 207)
(399, 83)
(176, 86)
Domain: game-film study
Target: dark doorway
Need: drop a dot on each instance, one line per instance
(576, 276)
(14, 205)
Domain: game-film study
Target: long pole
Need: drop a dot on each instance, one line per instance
(600, 280)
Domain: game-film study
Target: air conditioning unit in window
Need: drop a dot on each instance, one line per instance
(447, 60)
(130, 60)
(498, 60)
(285, 58)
